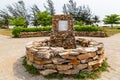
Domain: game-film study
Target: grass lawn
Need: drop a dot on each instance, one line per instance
(111, 31)
(6, 32)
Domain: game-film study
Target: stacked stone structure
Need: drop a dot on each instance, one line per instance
(63, 54)
(88, 56)
(62, 38)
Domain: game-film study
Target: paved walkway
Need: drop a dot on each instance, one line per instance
(12, 49)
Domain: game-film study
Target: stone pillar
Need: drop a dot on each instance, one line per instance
(62, 32)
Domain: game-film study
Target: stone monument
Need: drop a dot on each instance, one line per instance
(62, 32)
(59, 55)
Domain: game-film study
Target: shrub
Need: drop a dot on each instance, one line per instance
(17, 30)
(80, 23)
(87, 28)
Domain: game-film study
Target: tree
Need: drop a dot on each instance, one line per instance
(72, 8)
(80, 13)
(44, 18)
(50, 7)
(4, 16)
(112, 19)
(34, 10)
(80, 23)
(18, 9)
(19, 21)
(84, 14)
(65, 9)
(95, 19)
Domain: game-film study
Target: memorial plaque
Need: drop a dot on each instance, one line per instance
(63, 25)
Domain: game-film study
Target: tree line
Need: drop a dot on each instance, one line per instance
(17, 14)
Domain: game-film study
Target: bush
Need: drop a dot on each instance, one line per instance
(17, 30)
(87, 28)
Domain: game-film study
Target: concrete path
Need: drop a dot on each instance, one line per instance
(12, 49)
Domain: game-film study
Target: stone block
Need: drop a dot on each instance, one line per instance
(96, 65)
(69, 72)
(67, 56)
(63, 67)
(59, 61)
(48, 71)
(91, 49)
(30, 57)
(81, 50)
(74, 62)
(80, 66)
(49, 66)
(44, 54)
(86, 56)
(36, 44)
(93, 63)
(40, 62)
(83, 61)
(38, 66)
(33, 50)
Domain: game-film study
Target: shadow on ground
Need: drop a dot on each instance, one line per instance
(21, 74)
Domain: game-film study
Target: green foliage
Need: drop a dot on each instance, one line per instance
(80, 23)
(44, 18)
(20, 21)
(16, 31)
(112, 19)
(30, 68)
(87, 28)
(95, 19)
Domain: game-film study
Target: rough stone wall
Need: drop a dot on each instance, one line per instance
(34, 34)
(88, 56)
(90, 34)
(64, 39)
(45, 33)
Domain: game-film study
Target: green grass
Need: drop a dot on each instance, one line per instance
(112, 31)
(6, 32)
(30, 68)
(81, 75)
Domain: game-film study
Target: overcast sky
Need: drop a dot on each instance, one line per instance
(98, 7)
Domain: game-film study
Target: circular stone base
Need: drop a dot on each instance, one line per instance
(88, 56)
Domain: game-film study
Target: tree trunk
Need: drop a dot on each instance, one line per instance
(111, 25)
